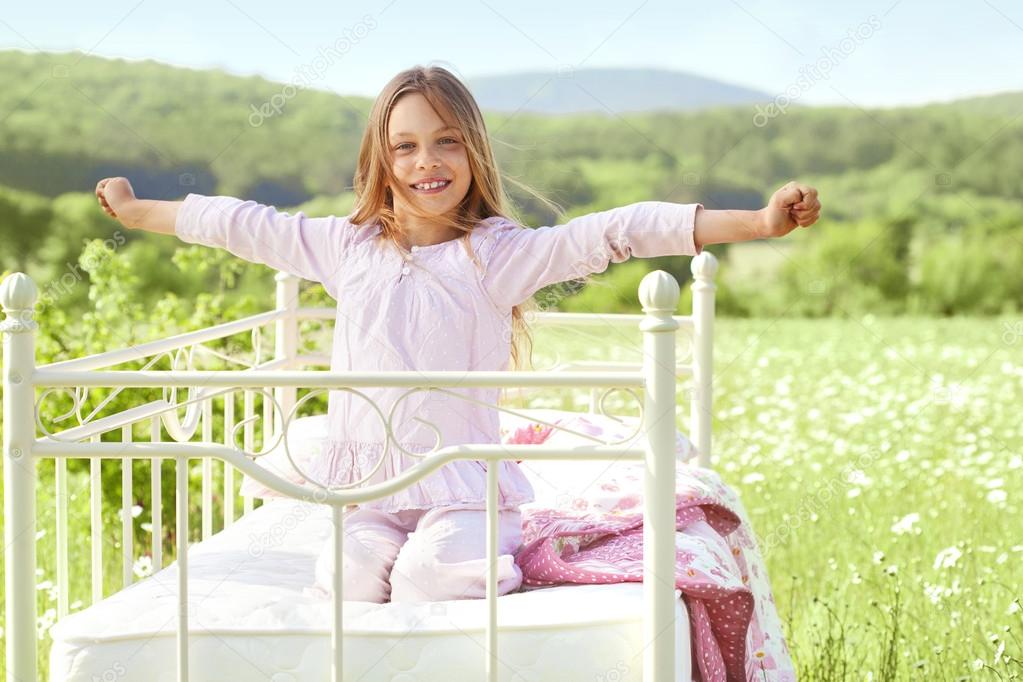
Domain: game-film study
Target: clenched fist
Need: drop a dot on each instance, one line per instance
(113, 193)
(793, 205)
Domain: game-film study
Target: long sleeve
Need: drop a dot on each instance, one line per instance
(311, 248)
(520, 261)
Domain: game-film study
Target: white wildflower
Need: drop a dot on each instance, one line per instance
(934, 592)
(858, 477)
(997, 497)
(45, 622)
(135, 511)
(143, 566)
(947, 557)
(907, 524)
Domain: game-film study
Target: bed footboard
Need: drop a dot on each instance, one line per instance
(275, 383)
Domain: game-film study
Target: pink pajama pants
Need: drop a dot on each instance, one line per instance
(434, 554)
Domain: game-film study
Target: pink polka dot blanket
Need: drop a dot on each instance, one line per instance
(597, 537)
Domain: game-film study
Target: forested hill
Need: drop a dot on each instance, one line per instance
(922, 205)
(70, 119)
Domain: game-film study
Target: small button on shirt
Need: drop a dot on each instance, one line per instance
(455, 315)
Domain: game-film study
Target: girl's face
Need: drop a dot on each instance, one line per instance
(423, 148)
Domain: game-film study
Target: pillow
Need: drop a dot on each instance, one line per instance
(305, 440)
(607, 428)
(550, 478)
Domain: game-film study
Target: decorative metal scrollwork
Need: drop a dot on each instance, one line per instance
(433, 427)
(181, 431)
(81, 394)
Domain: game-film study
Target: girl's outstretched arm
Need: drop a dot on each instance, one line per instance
(519, 261)
(117, 198)
(791, 206)
(725, 226)
(311, 248)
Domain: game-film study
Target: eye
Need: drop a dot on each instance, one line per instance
(402, 145)
(451, 139)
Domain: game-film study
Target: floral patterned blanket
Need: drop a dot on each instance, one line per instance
(597, 537)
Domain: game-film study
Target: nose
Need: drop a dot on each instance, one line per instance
(427, 159)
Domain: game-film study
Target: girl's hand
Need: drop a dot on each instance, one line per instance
(113, 193)
(793, 205)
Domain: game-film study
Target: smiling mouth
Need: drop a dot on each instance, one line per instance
(431, 188)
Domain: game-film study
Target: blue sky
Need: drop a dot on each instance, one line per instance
(877, 53)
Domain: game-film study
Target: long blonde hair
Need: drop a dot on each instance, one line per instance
(374, 177)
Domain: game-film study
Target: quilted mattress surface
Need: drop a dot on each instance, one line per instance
(251, 617)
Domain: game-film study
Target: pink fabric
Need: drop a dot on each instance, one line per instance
(599, 539)
(434, 311)
(531, 434)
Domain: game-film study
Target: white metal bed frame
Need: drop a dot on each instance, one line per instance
(656, 377)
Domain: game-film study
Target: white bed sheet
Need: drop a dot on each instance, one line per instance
(251, 619)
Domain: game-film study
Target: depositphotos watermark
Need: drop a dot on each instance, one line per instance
(306, 74)
(810, 74)
(90, 260)
(275, 535)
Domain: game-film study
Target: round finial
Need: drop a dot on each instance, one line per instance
(659, 292)
(18, 292)
(704, 266)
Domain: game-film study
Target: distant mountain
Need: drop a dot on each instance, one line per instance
(607, 91)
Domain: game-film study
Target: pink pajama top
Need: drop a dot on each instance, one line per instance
(432, 311)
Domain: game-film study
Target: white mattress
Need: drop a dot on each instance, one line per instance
(251, 619)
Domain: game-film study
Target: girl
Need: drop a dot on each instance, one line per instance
(430, 274)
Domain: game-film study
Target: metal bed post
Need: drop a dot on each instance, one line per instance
(701, 398)
(286, 341)
(659, 294)
(18, 295)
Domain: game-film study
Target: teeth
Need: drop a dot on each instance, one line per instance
(431, 185)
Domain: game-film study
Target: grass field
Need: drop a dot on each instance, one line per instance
(880, 462)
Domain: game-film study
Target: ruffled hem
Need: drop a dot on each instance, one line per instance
(458, 483)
